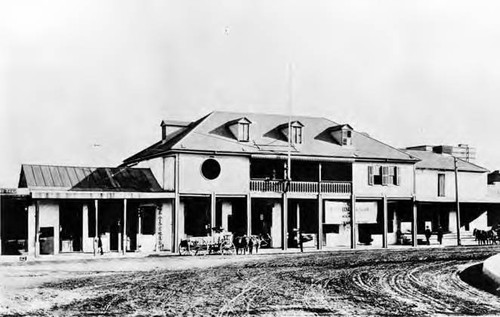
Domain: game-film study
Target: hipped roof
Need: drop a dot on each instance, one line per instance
(437, 161)
(210, 134)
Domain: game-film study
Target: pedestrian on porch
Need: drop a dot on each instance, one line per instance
(428, 234)
(440, 234)
(300, 239)
(99, 245)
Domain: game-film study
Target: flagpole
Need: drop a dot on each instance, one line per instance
(290, 102)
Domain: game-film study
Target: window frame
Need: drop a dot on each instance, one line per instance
(244, 132)
(441, 185)
(384, 175)
(296, 135)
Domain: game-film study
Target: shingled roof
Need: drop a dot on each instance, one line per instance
(210, 134)
(437, 161)
(88, 178)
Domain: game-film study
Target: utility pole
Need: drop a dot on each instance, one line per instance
(459, 242)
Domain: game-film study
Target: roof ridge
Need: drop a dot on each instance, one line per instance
(195, 124)
(272, 114)
(75, 166)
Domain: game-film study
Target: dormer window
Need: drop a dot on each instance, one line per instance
(243, 132)
(347, 137)
(240, 128)
(296, 134)
(342, 134)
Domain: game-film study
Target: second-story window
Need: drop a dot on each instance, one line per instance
(297, 135)
(441, 185)
(346, 137)
(244, 129)
(384, 175)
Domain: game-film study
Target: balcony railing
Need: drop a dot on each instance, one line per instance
(330, 187)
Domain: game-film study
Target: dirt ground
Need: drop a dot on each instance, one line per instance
(412, 282)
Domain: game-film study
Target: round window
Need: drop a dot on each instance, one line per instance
(210, 169)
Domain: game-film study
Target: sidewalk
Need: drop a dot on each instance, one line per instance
(16, 260)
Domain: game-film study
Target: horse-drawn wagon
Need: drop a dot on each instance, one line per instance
(216, 244)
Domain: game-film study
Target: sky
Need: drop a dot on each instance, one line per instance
(87, 83)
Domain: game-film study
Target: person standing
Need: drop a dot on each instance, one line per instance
(428, 234)
(99, 245)
(440, 235)
(301, 241)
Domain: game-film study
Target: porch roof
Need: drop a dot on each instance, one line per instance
(100, 179)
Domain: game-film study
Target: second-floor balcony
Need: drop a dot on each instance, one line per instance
(278, 186)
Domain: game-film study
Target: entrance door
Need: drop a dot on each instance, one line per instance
(303, 217)
(70, 221)
(47, 240)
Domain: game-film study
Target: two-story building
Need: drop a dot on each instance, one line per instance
(439, 177)
(265, 174)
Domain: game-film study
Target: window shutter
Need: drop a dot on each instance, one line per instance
(385, 175)
(370, 175)
(397, 176)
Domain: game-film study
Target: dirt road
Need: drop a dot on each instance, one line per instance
(414, 282)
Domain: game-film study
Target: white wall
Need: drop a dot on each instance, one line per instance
(169, 173)
(276, 226)
(49, 217)
(156, 166)
(87, 242)
(361, 187)
(471, 186)
(163, 169)
(31, 230)
(166, 226)
(234, 177)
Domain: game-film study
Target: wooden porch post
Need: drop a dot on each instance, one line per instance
(457, 202)
(124, 230)
(96, 227)
(414, 223)
(213, 213)
(353, 221)
(297, 210)
(249, 214)
(139, 228)
(1, 224)
(37, 228)
(157, 228)
(384, 235)
(284, 222)
(175, 223)
(320, 222)
(319, 239)
(177, 203)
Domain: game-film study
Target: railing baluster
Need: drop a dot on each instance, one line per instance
(301, 187)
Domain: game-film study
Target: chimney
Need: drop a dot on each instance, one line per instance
(163, 131)
(170, 126)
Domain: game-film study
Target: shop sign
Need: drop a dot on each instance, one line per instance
(338, 212)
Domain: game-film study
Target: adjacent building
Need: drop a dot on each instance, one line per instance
(437, 176)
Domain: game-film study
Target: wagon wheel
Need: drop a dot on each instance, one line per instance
(185, 248)
(227, 247)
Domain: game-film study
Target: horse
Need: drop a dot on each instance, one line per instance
(481, 236)
(492, 236)
(254, 241)
(241, 244)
